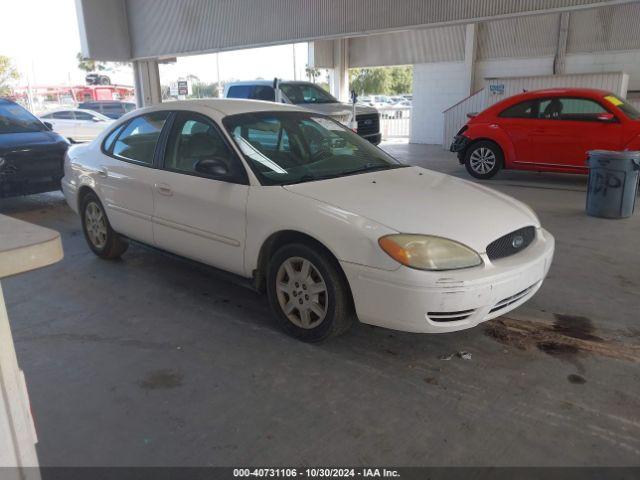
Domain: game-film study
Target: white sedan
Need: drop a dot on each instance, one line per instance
(330, 226)
(76, 124)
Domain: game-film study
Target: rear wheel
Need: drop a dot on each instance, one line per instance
(483, 159)
(102, 239)
(308, 293)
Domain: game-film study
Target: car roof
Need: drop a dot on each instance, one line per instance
(106, 102)
(556, 92)
(265, 82)
(225, 106)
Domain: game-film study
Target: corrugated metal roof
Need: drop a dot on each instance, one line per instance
(534, 36)
(605, 29)
(439, 44)
(169, 27)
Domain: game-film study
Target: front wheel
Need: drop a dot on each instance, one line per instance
(483, 160)
(102, 239)
(308, 293)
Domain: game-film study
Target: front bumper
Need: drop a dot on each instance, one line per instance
(438, 302)
(459, 146)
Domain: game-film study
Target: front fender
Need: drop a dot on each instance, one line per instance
(493, 133)
(348, 236)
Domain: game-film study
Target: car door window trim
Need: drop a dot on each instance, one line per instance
(123, 126)
(239, 177)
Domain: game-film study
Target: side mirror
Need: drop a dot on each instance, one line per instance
(606, 117)
(48, 125)
(96, 119)
(214, 167)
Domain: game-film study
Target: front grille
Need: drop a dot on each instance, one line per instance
(450, 316)
(368, 124)
(505, 302)
(511, 243)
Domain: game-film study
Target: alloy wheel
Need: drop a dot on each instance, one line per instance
(482, 160)
(96, 225)
(302, 292)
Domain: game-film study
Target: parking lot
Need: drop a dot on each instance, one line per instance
(154, 361)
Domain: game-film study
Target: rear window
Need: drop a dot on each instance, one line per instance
(520, 110)
(137, 141)
(239, 91)
(15, 119)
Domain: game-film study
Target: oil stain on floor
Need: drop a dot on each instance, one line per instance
(565, 337)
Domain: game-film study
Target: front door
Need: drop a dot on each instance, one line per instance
(200, 212)
(567, 128)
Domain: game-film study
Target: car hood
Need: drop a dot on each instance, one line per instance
(33, 141)
(416, 200)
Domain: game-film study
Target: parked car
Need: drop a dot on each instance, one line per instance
(113, 109)
(314, 98)
(97, 79)
(31, 155)
(546, 131)
(76, 124)
(329, 225)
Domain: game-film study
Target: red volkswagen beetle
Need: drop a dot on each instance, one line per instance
(546, 131)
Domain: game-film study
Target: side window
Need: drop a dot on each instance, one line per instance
(84, 116)
(263, 92)
(576, 109)
(138, 140)
(239, 91)
(66, 115)
(520, 110)
(193, 142)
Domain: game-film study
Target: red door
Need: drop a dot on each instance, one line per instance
(566, 129)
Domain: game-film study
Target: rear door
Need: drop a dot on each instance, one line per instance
(201, 215)
(566, 128)
(126, 175)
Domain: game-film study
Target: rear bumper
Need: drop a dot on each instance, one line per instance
(439, 302)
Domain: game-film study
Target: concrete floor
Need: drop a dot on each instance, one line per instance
(150, 361)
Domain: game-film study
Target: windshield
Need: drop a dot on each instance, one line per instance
(15, 119)
(294, 147)
(303, 93)
(628, 109)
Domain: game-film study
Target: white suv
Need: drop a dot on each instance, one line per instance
(312, 97)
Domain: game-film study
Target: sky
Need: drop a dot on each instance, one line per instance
(45, 52)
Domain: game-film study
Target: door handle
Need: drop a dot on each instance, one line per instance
(164, 189)
(102, 172)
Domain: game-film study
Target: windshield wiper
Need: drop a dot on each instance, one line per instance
(369, 167)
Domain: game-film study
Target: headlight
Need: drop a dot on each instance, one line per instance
(425, 252)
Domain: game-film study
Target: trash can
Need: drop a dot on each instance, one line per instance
(612, 184)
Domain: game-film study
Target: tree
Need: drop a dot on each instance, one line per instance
(312, 73)
(367, 81)
(401, 80)
(204, 90)
(8, 74)
(381, 80)
(89, 65)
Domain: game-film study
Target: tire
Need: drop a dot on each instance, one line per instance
(322, 291)
(102, 239)
(483, 159)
